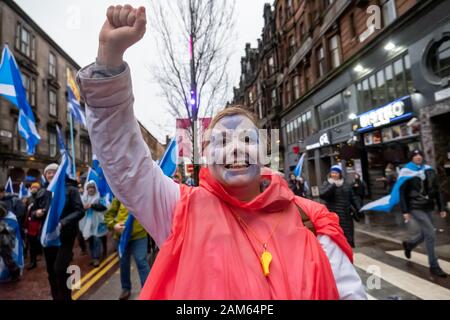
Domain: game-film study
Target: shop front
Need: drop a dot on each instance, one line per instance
(386, 136)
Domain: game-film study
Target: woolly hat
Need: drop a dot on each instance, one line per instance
(415, 152)
(336, 168)
(52, 166)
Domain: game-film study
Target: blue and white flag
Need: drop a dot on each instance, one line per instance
(9, 186)
(51, 230)
(299, 167)
(73, 99)
(63, 151)
(11, 88)
(23, 191)
(387, 203)
(168, 165)
(17, 253)
(126, 235)
(103, 186)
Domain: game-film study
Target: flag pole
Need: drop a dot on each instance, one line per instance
(74, 167)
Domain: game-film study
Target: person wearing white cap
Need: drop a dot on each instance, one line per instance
(339, 197)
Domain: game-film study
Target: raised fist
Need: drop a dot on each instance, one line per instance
(123, 27)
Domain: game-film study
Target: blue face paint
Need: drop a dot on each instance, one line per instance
(235, 138)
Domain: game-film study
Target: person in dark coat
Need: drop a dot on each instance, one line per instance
(339, 197)
(58, 258)
(297, 185)
(359, 187)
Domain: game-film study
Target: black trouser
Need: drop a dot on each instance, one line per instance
(58, 260)
(35, 248)
(104, 245)
(81, 242)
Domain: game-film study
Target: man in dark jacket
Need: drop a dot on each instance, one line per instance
(339, 198)
(418, 198)
(58, 258)
(14, 205)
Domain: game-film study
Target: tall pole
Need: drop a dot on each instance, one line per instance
(194, 98)
(74, 167)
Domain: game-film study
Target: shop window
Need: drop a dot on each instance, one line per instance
(390, 83)
(373, 90)
(408, 76)
(399, 78)
(381, 87)
(332, 112)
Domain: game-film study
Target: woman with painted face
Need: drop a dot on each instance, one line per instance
(242, 234)
(339, 197)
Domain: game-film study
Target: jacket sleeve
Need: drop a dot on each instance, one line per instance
(111, 214)
(327, 190)
(76, 207)
(98, 207)
(354, 199)
(404, 200)
(135, 179)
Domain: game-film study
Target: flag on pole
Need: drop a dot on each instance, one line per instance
(73, 98)
(103, 186)
(11, 88)
(51, 230)
(63, 151)
(9, 186)
(299, 167)
(23, 191)
(387, 203)
(168, 165)
(17, 249)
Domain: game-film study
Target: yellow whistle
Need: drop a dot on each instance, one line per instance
(266, 259)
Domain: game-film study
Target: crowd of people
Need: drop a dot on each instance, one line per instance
(86, 216)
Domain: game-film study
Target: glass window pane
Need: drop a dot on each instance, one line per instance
(399, 80)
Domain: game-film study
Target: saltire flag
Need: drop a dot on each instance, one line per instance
(387, 203)
(17, 253)
(299, 167)
(103, 186)
(51, 230)
(168, 165)
(9, 186)
(63, 151)
(11, 88)
(73, 99)
(23, 191)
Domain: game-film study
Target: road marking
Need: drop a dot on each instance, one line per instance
(379, 236)
(90, 283)
(419, 258)
(95, 270)
(417, 286)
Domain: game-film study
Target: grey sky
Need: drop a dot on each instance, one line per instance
(75, 24)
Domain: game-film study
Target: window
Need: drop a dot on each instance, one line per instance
(389, 13)
(296, 85)
(302, 32)
(288, 92)
(381, 88)
(307, 78)
(29, 83)
(52, 143)
(366, 95)
(353, 32)
(85, 151)
(52, 65)
(53, 103)
(271, 66)
(309, 127)
(409, 80)
(399, 80)
(19, 143)
(25, 41)
(332, 112)
(440, 58)
(320, 62)
(250, 97)
(373, 91)
(390, 83)
(291, 45)
(334, 52)
(274, 98)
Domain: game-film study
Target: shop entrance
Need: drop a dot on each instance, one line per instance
(441, 136)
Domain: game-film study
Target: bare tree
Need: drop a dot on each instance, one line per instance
(207, 26)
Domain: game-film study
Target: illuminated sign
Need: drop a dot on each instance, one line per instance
(394, 111)
(324, 140)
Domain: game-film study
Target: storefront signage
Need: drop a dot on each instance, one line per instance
(6, 134)
(324, 140)
(394, 111)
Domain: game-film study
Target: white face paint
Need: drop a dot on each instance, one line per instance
(233, 151)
